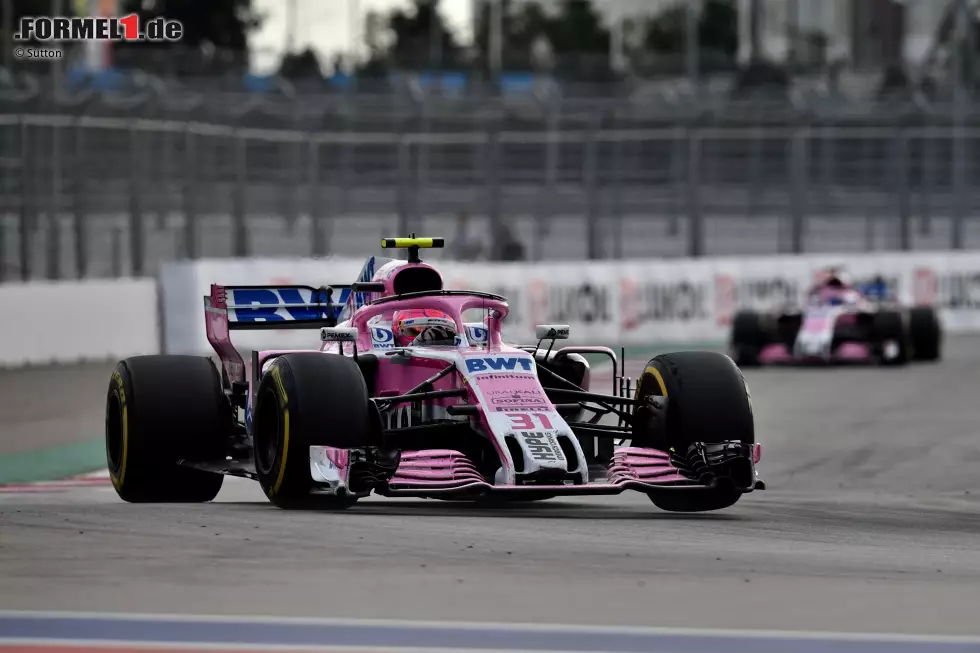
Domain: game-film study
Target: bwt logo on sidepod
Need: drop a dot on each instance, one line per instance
(498, 364)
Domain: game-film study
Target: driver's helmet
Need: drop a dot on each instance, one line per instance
(833, 288)
(426, 326)
(837, 278)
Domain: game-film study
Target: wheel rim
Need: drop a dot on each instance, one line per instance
(267, 431)
(113, 428)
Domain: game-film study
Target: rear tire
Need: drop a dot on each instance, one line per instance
(303, 400)
(708, 401)
(925, 334)
(748, 337)
(890, 326)
(161, 409)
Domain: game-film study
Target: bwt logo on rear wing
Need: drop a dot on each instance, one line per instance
(281, 307)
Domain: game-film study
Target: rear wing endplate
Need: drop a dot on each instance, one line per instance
(229, 308)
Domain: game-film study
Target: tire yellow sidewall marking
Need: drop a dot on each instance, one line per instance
(285, 451)
(120, 392)
(283, 402)
(655, 373)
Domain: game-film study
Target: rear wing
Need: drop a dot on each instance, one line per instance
(275, 307)
(230, 308)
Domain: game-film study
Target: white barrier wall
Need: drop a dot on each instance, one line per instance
(69, 322)
(610, 302)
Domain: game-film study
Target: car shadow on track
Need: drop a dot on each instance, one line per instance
(564, 510)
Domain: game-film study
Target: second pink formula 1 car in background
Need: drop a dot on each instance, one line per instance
(839, 323)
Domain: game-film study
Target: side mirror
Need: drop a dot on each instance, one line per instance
(338, 334)
(552, 331)
(367, 286)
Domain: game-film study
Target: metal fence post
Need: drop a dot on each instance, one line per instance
(617, 197)
(695, 246)
(590, 176)
(423, 164)
(902, 182)
(290, 189)
(679, 148)
(799, 188)
(928, 188)
(961, 27)
(404, 183)
(828, 154)
(550, 197)
(239, 223)
(79, 189)
(189, 193)
(959, 181)
(136, 239)
(493, 189)
(348, 173)
(27, 202)
(53, 205)
(870, 223)
(315, 200)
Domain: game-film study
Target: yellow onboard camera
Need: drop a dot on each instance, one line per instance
(413, 245)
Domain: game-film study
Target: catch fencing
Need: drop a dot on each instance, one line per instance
(86, 196)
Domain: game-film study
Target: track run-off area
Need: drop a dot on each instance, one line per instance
(871, 524)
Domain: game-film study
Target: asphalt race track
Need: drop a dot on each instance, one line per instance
(871, 524)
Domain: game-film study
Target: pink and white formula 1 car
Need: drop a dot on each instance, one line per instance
(406, 397)
(839, 324)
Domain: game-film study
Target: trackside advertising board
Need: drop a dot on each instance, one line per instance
(627, 302)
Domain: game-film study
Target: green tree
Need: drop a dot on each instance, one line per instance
(214, 40)
(717, 31)
(576, 35)
(301, 66)
(413, 38)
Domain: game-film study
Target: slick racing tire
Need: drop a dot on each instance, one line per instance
(749, 336)
(303, 400)
(889, 326)
(161, 410)
(925, 334)
(707, 401)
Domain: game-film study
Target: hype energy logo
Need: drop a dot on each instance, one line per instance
(66, 29)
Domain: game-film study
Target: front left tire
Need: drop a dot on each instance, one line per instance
(303, 400)
(707, 402)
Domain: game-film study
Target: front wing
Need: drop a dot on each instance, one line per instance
(446, 473)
